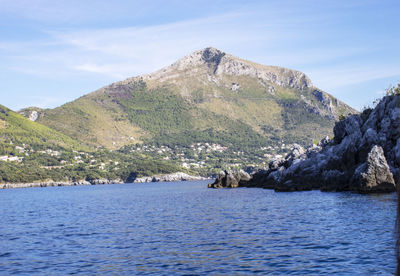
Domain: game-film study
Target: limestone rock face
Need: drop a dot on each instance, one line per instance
(374, 175)
(346, 127)
(230, 179)
(32, 113)
(363, 157)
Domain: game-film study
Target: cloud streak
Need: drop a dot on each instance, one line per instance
(333, 43)
(353, 75)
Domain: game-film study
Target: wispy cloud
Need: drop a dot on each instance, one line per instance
(108, 69)
(334, 78)
(124, 52)
(333, 42)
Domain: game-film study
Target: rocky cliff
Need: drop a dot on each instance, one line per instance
(363, 156)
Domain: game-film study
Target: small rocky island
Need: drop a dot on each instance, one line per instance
(363, 157)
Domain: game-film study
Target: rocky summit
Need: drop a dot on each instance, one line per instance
(363, 156)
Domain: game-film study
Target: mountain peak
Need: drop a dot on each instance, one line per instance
(210, 50)
(212, 57)
(211, 53)
(209, 56)
(216, 63)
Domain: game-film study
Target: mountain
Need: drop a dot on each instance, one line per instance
(206, 97)
(17, 130)
(26, 146)
(31, 152)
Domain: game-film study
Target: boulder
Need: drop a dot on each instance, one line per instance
(374, 175)
(230, 179)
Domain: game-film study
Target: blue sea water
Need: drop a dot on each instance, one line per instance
(185, 228)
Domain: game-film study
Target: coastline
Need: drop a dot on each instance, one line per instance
(174, 177)
(42, 184)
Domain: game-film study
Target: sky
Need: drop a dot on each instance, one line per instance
(52, 52)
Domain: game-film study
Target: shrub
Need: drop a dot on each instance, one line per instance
(393, 90)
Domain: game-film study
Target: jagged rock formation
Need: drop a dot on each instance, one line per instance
(230, 179)
(363, 157)
(374, 175)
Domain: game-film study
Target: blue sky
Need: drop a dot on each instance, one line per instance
(52, 52)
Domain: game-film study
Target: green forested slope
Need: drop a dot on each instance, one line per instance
(30, 152)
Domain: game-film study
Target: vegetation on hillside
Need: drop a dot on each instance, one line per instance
(393, 90)
(157, 111)
(189, 115)
(32, 152)
(19, 130)
(160, 117)
(79, 166)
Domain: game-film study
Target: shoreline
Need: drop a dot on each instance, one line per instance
(174, 177)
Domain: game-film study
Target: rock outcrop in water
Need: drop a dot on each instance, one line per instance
(230, 179)
(375, 173)
(363, 157)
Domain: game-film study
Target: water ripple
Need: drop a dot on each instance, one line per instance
(185, 228)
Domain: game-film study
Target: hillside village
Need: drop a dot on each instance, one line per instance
(204, 158)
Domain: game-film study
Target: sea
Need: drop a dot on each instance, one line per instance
(184, 228)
